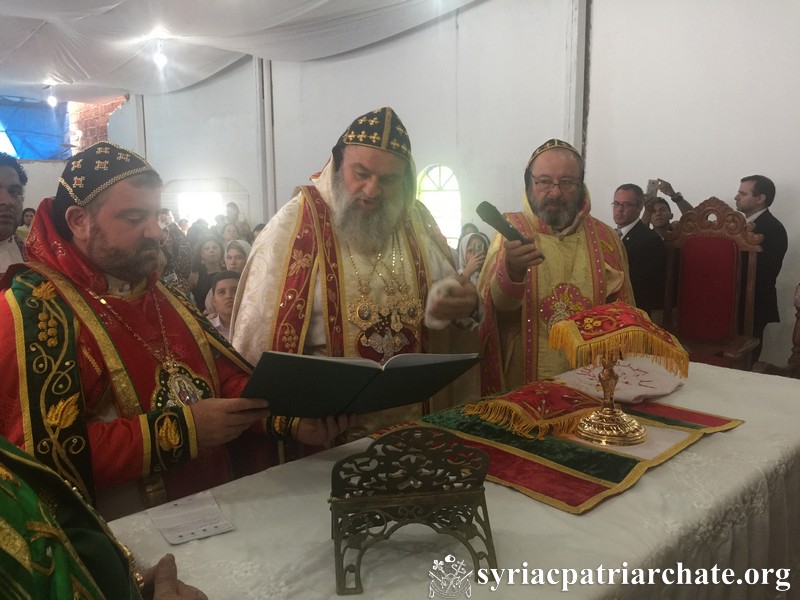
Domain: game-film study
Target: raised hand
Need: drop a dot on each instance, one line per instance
(665, 187)
(457, 302)
(474, 264)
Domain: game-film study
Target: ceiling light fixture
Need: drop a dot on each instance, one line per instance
(159, 57)
(52, 101)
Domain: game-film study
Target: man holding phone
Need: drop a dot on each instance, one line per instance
(523, 293)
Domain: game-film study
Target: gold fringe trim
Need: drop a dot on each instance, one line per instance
(520, 422)
(565, 336)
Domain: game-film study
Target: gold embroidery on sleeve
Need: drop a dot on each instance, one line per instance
(63, 414)
(169, 436)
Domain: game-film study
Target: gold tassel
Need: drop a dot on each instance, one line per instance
(636, 341)
(520, 422)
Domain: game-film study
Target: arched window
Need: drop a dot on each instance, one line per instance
(437, 189)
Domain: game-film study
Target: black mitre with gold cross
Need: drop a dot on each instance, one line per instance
(381, 129)
(90, 172)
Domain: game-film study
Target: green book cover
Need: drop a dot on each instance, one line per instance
(298, 385)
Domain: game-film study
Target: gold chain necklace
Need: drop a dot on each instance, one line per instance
(363, 286)
(364, 311)
(382, 327)
(397, 283)
(178, 378)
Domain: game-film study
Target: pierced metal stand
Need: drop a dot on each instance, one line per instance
(415, 474)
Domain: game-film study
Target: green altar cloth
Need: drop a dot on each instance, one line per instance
(573, 475)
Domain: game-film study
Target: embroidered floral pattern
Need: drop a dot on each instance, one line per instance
(300, 260)
(169, 436)
(564, 301)
(63, 414)
(44, 291)
(289, 338)
(47, 329)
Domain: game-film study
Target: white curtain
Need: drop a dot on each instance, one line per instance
(87, 47)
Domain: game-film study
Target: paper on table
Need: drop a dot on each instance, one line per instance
(190, 518)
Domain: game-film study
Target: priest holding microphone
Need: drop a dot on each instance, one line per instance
(524, 294)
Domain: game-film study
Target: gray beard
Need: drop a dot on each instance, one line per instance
(366, 231)
(558, 220)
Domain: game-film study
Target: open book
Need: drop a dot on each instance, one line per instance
(298, 385)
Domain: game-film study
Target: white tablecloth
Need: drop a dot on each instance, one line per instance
(732, 500)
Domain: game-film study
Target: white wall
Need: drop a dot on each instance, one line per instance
(700, 94)
(208, 131)
(478, 91)
(43, 178)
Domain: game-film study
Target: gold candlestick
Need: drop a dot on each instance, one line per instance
(602, 334)
(609, 425)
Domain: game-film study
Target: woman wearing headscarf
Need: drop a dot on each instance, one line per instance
(471, 254)
(236, 253)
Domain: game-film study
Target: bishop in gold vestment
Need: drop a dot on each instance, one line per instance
(574, 262)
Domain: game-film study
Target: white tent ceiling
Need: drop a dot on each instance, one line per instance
(92, 49)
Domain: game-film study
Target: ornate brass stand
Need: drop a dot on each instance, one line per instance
(419, 475)
(609, 425)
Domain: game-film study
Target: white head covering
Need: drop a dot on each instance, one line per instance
(462, 251)
(239, 245)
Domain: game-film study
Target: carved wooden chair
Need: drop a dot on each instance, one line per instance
(710, 287)
(792, 368)
(422, 475)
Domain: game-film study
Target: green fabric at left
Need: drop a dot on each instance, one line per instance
(53, 396)
(52, 544)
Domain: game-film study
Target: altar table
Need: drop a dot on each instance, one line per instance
(732, 499)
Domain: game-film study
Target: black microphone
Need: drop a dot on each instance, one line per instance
(489, 213)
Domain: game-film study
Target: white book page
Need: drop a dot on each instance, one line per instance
(410, 360)
(399, 360)
(364, 362)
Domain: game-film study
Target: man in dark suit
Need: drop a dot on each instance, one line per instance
(646, 252)
(753, 199)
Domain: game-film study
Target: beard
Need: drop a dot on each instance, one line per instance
(560, 218)
(367, 231)
(130, 266)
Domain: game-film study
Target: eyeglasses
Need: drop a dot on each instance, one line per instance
(624, 205)
(545, 185)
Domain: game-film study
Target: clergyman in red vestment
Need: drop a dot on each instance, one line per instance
(112, 378)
